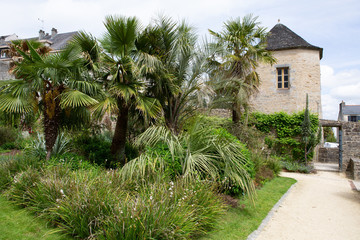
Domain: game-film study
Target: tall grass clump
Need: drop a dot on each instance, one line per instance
(100, 204)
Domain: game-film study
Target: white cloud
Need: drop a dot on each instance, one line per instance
(337, 87)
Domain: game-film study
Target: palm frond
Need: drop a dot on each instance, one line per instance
(13, 104)
(75, 98)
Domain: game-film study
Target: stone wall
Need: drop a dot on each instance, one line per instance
(4, 70)
(328, 155)
(351, 142)
(354, 168)
(304, 77)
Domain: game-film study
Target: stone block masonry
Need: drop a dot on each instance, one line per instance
(304, 78)
(351, 142)
(328, 155)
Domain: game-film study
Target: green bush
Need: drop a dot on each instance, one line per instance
(297, 167)
(7, 135)
(96, 149)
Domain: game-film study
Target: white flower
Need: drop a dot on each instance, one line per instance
(62, 192)
(151, 197)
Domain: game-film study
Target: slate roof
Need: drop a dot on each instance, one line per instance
(58, 42)
(351, 110)
(282, 38)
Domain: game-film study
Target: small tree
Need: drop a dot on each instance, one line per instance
(309, 137)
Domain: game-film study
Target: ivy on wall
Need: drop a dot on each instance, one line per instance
(284, 132)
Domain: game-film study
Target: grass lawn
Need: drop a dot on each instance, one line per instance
(17, 223)
(240, 222)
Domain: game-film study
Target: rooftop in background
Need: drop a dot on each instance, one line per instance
(55, 40)
(282, 38)
(351, 109)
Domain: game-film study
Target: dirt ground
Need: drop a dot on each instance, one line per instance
(320, 206)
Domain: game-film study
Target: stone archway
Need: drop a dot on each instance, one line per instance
(349, 140)
(331, 155)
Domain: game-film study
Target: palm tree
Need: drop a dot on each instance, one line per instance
(43, 83)
(178, 81)
(120, 67)
(243, 45)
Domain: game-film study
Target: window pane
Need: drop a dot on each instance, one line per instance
(279, 85)
(279, 79)
(279, 71)
(286, 78)
(286, 85)
(286, 71)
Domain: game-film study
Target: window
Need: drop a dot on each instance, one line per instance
(353, 118)
(283, 78)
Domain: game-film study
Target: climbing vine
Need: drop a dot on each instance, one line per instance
(285, 131)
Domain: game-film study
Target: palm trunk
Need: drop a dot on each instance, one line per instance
(235, 116)
(51, 120)
(119, 139)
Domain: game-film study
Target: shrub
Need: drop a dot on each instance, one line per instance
(96, 149)
(7, 135)
(297, 167)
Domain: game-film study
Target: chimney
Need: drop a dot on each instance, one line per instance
(41, 34)
(53, 32)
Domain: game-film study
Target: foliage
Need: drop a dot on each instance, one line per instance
(119, 66)
(297, 167)
(7, 135)
(93, 203)
(95, 148)
(242, 46)
(12, 165)
(176, 83)
(37, 147)
(266, 167)
(202, 152)
(46, 84)
(287, 131)
(309, 138)
(329, 135)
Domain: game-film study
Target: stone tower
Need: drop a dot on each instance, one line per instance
(296, 73)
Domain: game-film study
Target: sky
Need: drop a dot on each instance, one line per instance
(333, 25)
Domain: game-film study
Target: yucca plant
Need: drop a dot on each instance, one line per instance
(201, 152)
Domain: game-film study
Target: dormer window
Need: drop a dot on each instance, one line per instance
(283, 78)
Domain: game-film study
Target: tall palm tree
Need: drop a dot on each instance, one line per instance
(49, 83)
(120, 67)
(243, 45)
(178, 80)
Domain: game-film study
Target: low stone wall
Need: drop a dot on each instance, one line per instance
(328, 155)
(354, 168)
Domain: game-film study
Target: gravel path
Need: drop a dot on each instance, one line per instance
(320, 206)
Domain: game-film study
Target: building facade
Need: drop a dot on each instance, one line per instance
(349, 113)
(296, 73)
(56, 41)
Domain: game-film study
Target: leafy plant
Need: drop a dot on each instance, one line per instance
(201, 152)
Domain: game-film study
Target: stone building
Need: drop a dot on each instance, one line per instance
(56, 41)
(296, 73)
(349, 113)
